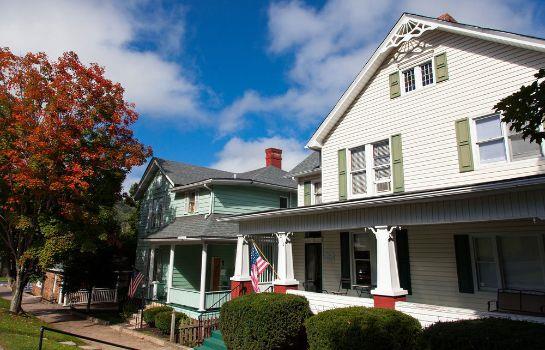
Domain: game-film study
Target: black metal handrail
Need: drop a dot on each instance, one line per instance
(43, 329)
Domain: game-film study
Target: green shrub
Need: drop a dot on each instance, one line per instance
(485, 334)
(128, 310)
(163, 319)
(362, 328)
(264, 321)
(149, 314)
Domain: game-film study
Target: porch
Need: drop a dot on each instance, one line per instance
(438, 258)
(191, 276)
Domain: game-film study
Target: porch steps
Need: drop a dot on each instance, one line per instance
(215, 342)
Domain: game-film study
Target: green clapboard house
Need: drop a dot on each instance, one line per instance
(185, 254)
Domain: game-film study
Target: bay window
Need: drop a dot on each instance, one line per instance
(515, 261)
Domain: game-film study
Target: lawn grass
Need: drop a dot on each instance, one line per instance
(22, 332)
(3, 279)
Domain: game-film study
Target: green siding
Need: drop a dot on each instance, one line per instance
(187, 267)
(240, 200)
(227, 254)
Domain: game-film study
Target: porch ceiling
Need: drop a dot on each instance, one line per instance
(503, 200)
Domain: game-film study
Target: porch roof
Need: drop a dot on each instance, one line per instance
(520, 198)
(196, 226)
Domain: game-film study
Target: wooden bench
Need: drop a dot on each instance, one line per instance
(523, 301)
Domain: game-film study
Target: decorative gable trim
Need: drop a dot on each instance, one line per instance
(407, 29)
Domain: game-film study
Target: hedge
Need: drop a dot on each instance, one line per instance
(485, 334)
(264, 321)
(163, 319)
(363, 328)
(149, 314)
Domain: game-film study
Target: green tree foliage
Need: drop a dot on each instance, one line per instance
(524, 110)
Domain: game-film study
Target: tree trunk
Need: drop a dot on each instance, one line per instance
(17, 292)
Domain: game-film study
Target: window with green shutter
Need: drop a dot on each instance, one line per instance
(307, 194)
(463, 140)
(342, 174)
(397, 164)
(395, 90)
(441, 68)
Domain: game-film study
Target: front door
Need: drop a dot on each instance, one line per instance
(215, 274)
(313, 267)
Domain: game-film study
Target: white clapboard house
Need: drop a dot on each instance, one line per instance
(417, 197)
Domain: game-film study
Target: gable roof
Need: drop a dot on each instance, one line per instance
(182, 174)
(407, 27)
(310, 165)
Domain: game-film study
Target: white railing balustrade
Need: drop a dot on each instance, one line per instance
(98, 295)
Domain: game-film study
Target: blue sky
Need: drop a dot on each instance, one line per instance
(216, 82)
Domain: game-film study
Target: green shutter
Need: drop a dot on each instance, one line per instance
(397, 164)
(463, 264)
(463, 140)
(342, 174)
(441, 68)
(306, 186)
(345, 260)
(403, 262)
(395, 90)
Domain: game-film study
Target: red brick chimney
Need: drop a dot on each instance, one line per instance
(448, 18)
(273, 156)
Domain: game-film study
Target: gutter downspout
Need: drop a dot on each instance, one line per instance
(211, 205)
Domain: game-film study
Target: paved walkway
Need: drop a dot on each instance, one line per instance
(62, 319)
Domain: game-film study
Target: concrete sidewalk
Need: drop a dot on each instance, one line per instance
(62, 319)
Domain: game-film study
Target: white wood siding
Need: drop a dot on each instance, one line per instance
(480, 74)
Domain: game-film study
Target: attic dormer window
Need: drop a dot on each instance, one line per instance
(409, 79)
(418, 76)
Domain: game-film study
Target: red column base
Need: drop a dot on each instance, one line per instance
(387, 302)
(245, 288)
(282, 289)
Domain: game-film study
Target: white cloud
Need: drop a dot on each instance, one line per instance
(105, 32)
(240, 155)
(331, 44)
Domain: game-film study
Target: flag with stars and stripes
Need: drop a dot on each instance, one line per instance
(136, 280)
(257, 266)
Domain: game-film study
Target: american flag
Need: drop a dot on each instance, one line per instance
(257, 266)
(136, 280)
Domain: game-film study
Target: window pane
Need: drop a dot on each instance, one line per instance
(521, 149)
(492, 151)
(317, 192)
(382, 173)
(381, 153)
(522, 264)
(486, 262)
(359, 183)
(488, 128)
(409, 80)
(427, 73)
(363, 272)
(358, 158)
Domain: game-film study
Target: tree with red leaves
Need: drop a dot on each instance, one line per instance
(65, 148)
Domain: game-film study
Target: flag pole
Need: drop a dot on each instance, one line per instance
(264, 257)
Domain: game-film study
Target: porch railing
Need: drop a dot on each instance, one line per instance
(194, 333)
(98, 295)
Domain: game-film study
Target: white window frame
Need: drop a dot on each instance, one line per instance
(417, 75)
(313, 193)
(196, 202)
(499, 275)
(506, 145)
(369, 170)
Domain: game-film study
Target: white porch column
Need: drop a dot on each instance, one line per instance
(241, 276)
(151, 268)
(202, 295)
(170, 271)
(388, 289)
(285, 279)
